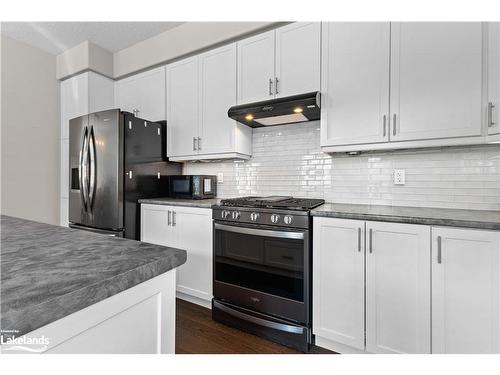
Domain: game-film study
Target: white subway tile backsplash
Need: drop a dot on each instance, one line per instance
(287, 160)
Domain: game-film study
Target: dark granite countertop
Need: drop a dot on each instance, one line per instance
(414, 215)
(202, 203)
(49, 272)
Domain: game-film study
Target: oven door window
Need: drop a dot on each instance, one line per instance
(263, 263)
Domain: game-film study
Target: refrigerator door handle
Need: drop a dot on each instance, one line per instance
(93, 174)
(82, 176)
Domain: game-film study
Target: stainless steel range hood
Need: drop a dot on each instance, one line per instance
(287, 110)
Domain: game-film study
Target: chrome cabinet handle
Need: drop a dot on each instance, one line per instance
(169, 221)
(394, 124)
(384, 123)
(371, 240)
(491, 107)
(359, 239)
(173, 218)
(199, 143)
(276, 85)
(270, 87)
(194, 143)
(439, 250)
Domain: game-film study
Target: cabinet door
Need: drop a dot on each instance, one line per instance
(298, 55)
(493, 77)
(182, 107)
(144, 92)
(398, 288)
(338, 281)
(355, 83)
(436, 73)
(217, 95)
(155, 226)
(465, 291)
(101, 93)
(74, 100)
(64, 212)
(194, 234)
(256, 68)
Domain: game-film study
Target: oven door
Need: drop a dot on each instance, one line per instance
(263, 268)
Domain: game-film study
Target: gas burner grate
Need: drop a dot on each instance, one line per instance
(274, 202)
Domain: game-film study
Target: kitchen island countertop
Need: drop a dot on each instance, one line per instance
(49, 272)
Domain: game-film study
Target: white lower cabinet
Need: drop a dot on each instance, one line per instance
(339, 281)
(398, 288)
(388, 260)
(465, 291)
(382, 287)
(190, 229)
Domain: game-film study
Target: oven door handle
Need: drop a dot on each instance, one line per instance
(261, 232)
(262, 322)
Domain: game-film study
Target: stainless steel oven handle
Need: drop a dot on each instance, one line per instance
(261, 232)
(259, 321)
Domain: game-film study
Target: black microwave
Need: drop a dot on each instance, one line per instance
(193, 186)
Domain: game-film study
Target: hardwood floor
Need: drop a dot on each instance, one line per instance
(197, 333)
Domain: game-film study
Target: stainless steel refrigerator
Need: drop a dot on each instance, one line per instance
(115, 159)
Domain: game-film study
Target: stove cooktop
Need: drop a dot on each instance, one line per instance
(274, 202)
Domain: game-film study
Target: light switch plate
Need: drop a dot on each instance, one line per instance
(399, 177)
(220, 178)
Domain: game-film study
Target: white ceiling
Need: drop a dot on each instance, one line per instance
(57, 37)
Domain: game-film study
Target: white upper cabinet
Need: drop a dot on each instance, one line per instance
(182, 107)
(465, 291)
(436, 80)
(143, 94)
(74, 100)
(338, 281)
(355, 83)
(298, 54)
(493, 106)
(281, 62)
(397, 288)
(256, 68)
(200, 91)
(218, 132)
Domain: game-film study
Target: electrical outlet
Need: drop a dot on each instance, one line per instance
(220, 178)
(399, 177)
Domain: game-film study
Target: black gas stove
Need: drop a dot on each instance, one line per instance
(289, 203)
(273, 210)
(262, 267)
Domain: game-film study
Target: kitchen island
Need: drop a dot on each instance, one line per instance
(69, 291)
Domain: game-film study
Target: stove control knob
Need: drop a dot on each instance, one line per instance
(275, 218)
(254, 216)
(236, 215)
(226, 214)
(288, 219)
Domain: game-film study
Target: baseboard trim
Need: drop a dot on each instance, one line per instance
(195, 300)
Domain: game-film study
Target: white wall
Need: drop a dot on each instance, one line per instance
(287, 160)
(30, 132)
(83, 57)
(180, 41)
